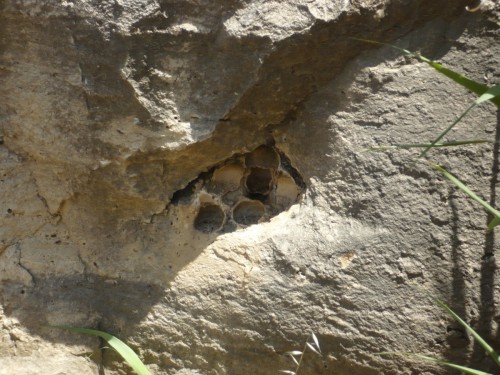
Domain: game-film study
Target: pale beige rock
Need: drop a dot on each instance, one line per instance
(11, 270)
(191, 176)
(48, 364)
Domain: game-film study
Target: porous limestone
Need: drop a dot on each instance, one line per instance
(192, 176)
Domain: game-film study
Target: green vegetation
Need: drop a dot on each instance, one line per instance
(485, 94)
(123, 349)
(466, 370)
(465, 189)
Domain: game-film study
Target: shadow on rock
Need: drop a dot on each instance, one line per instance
(93, 302)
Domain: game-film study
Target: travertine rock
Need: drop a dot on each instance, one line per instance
(190, 176)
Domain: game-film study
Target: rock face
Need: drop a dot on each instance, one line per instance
(190, 176)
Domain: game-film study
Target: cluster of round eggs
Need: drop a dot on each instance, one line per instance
(246, 190)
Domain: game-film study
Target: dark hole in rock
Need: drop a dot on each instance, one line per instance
(185, 195)
(264, 157)
(287, 166)
(248, 212)
(264, 198)
(259, 181)
(209, 219)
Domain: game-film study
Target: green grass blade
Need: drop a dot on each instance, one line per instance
(492, 353)
(123, 349)
(469, 84)
(494, 223)
(465, 370)
(491, 94)
(440, 136)
(470, 193)
(423, 145)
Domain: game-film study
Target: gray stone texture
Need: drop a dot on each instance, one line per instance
(120, 120)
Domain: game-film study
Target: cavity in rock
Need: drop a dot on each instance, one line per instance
(210, 218)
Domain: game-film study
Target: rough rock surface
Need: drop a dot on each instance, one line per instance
(125, 124)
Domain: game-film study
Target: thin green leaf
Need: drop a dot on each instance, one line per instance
(465, 370)
(493, 92)
(440, 136)
(422, 145)
(123, 349)
(469, 84)
(492, 353)
(470, 193)
(494, 223)
(490, 94)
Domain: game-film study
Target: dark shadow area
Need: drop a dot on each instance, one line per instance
(458, 283)
(456, 336)
(493, 197)
(83, 301)
(117, 305)
(487, 313)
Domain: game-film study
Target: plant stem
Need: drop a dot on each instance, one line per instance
(301, 356)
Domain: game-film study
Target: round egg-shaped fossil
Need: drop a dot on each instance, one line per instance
(259, 181)
(248, 212)
(286, 192)
(210, 218)
(227, 178)
(263, 157)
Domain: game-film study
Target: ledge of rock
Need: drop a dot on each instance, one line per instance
(191, 176)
